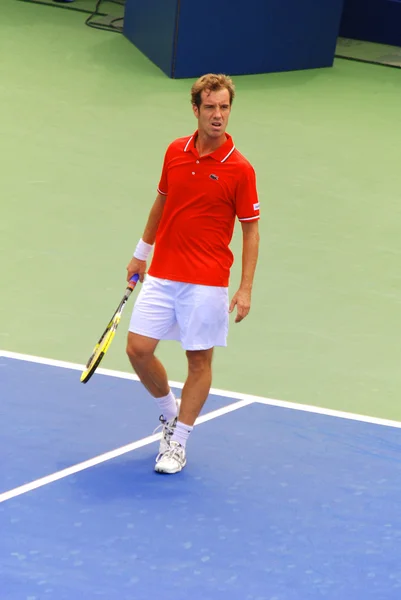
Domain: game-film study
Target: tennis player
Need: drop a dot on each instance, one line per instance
(205, 185)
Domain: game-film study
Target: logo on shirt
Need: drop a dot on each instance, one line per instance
(213, 176)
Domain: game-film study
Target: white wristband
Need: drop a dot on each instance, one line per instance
(142, 250)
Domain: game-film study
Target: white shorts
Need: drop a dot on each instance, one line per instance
(195, 315)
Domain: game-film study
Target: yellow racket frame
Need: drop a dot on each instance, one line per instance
(99, 351)
(107, 336)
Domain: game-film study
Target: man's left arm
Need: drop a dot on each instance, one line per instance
(250, 250)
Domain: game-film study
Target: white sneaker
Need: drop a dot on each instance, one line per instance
(167, 429)
(173, 460)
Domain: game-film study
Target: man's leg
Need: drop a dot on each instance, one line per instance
(197, 385)
(202, 316)
(153, 376)
(153, 317)
(193, 397)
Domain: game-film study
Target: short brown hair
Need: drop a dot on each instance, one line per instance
(212, 83)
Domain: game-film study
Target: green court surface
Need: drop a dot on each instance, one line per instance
(85, 120)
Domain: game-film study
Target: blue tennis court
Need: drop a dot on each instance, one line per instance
(274, 504)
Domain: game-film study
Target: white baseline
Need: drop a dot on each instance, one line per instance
(249, 398)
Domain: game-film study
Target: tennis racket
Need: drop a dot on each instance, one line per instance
(107, 336)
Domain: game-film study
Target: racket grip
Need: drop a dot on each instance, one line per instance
(133, 281)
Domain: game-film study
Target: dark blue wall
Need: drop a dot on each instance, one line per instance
(372, 21)
(187, 38)
(151, 26)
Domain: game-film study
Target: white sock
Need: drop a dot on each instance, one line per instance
(181, 433)
(168, 406)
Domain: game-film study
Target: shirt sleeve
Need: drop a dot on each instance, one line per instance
(246, 200)
(163, 186)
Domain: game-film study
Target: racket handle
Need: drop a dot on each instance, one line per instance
(133, 281)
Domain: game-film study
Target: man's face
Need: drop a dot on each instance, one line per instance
(213, 112)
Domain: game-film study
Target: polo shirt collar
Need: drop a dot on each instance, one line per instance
(221, 154)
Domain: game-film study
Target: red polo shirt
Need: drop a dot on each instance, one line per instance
(204, 196)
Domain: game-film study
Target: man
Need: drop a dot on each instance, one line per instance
(205, 184)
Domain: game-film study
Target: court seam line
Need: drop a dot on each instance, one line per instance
(104, 457)
(216, 392)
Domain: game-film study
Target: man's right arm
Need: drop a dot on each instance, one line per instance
(149, 236)
(155, 215)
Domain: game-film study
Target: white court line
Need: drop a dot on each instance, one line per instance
(97, 460)
(330, 413)
(75, 366)
(216, 392)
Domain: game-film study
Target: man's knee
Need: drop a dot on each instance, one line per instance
(140, 348)
(199, 360)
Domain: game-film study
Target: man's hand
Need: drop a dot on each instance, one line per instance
(241, 300)
(136, 266)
